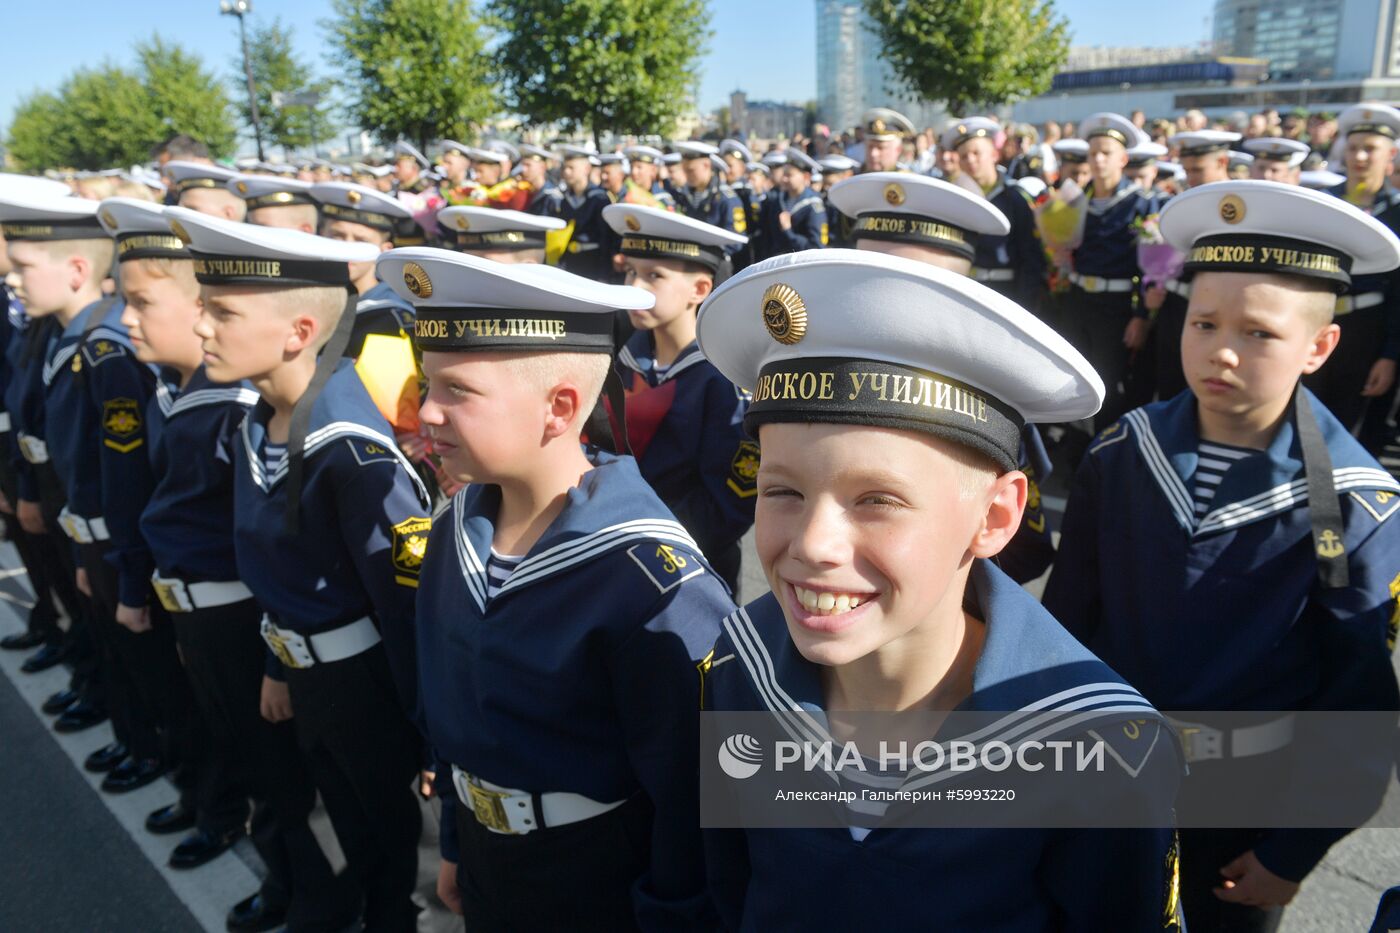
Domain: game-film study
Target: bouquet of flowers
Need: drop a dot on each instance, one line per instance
(1158, 260)
(424, 208)
(1059, 218)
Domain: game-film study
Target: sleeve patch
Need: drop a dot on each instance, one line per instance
(1112, 434)
(1379, 502)
(1130, 743)
(101, 350)
(743, 471)
(667, 566)
(121, 423)
(410, 544)
(367, 452)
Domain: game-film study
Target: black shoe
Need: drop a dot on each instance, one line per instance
(170, 819)
(201, 846)
(131, 774)
(105, 758)
(60, 701)
(81, 715)
(21, 641)
(46, 657)
(254, 915)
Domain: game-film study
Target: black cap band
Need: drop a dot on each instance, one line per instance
(256, 270)
(979, 133)
(147, 245)
(186, 184)
(83, 228)
(501, 239)
(1108, 131)
(882, 394)
(1380, 129)
(279, 199)
(911, 228)
(1201, 149)
(466, 330)
(373, 219)
(1269, 254)
(650, 247)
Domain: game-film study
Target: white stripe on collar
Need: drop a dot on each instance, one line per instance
(103, 332)
(317, 439)
(60, 359)
(1290, 495)
(1113, 200)
(164, 399)
(694, 358)
(1171, 485)
(199, 397)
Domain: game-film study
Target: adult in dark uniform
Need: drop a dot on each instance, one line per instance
(793, 217)
(409, 168)
(885, 131)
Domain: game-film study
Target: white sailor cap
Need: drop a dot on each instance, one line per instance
(186, 176)
(246, 163)
(13, 182)
(569, 151)
(144, 176)
(694, 149)
(1320, 179)
(1277, 149)
(832, 164)
(775, 157)
(1112, 125)
(141, 230)
(970, 128)
(1203, 142)
(270, 190)
(1145, 152)
(1240, 161)
(226, 252)
(801, 160)
(907, 208)
(1032, 186)
(670, 158)
(1268, 227)
(530, 151)
(884, 123)
(737, 149)
(451, 145)
(1173, 169)
(647, 154)
(1071, 150)
(489, 228)
(613, 158)
(283, 168)
(719, 165)
(854, 337)
(759, 167)
(1369, 117)
(653, 233)
(358, 204)
(379, 171)
(31, 211)
(466, 303)
(406, 150)
(500, 150)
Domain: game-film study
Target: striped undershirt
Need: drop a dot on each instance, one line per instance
(1215, 460)
(499, 567)
(273, 455)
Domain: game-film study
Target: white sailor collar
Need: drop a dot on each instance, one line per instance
(639, 355)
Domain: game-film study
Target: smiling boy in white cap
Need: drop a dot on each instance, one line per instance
(1234, 548)
(889, 399)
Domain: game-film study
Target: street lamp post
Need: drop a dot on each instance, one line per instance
(240, 8)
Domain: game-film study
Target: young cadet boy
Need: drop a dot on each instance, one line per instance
(329, 524)
(203, 187)
(943, 224)
(1234, 548)
(580, 205)
(793, 217)
(562, 614)
(191, 423)
(498, 234)
(877, 514)
(277, 202)
(684, 420)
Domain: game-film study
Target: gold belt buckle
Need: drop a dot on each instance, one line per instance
(279, 648)
(486, 804)
(1091, 283)
(172, 595)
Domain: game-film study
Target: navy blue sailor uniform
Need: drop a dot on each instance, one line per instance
(1067, 878)
(584, 255)
(808, 223)
(717, 205)
(1013, 264)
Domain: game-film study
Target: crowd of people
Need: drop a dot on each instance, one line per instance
(427, 479)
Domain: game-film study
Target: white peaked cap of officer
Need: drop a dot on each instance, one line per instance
(1277, 149)
(1269, 227)
(805, 331)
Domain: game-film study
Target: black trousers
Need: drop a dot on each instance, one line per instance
(249, 757)
(577, 876)
(1171, 320)
(1094, 324)
(60, 557)
(43, 617)
(1339, 382)
(1203, 853)
(363, 754)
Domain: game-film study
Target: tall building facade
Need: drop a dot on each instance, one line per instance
(1312, 40)
(851, 75)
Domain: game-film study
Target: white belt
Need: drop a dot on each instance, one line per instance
(299, 651)
(1178, 287)
(577, 247)
(1095, 285)
(512, 812)
(178, 596)
(1349, 303)
(82, 530)
(4, 421)
(993, 275)
(33, 448)
(1204, 743)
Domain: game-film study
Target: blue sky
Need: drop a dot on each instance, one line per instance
(764, 47)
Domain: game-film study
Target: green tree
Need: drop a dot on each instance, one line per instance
(413, 68)
(293, 107)
(628, 66)
(110, 116)
(971, 52)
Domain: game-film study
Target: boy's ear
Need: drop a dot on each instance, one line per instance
(305, 331)
(79, 269)
(704, 284)
(1006, 502)
(1323, 343)
(566, 412)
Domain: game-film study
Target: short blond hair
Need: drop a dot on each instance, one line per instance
(98, 253)
(587, 371)
(161, 267)
(323, 302)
